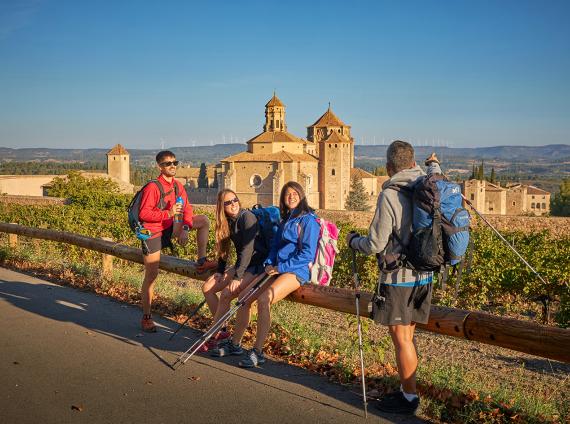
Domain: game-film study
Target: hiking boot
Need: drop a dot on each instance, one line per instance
(396, 403)
(254, 358)
(227, 348)
(147, 324)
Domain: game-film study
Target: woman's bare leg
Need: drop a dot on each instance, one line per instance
(283, 286)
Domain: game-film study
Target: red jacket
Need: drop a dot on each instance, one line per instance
(156, 220)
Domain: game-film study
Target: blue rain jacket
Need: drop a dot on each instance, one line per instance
(290, 255)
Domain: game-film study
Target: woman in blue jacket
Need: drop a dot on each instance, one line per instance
(292, 253)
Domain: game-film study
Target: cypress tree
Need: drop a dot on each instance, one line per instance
(357, 199)
(481, 172)
(203, 176)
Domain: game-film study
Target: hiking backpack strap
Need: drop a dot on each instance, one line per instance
(161, 203)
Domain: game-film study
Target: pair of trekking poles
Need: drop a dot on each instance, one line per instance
(185, 356)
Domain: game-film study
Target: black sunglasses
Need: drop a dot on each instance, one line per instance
(169, 163)
(229, 202)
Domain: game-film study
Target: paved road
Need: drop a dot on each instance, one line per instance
(62, 348)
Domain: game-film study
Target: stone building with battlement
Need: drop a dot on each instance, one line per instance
(514, 199)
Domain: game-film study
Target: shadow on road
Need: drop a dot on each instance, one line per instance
(121, 322)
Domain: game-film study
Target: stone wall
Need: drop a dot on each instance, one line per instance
(33, 200)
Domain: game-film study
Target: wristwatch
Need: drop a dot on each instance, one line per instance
(186, 227)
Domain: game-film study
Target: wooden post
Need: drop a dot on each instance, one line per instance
(13, 240)
(107, 262)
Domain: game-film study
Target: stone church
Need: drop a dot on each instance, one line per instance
(322, 163)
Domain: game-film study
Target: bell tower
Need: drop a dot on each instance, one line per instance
(335, 151)
(274, 115)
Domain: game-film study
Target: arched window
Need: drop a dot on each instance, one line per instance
(334, 173)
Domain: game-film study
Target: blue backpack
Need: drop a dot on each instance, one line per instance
(440, 227)
(268, 219)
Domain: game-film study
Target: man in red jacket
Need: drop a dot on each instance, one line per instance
(161, 224)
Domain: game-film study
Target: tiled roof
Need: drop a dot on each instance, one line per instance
(274, 101)
(361, 173)
(118, 150)
(335, 137)
(270, 157)
(276, 137)
(329, 119)
(536, 190)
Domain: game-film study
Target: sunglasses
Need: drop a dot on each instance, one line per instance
(229, 202)
(169, 163)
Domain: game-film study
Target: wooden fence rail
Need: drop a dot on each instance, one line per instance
(522, 336)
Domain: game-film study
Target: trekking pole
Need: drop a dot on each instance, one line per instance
(188, 319)
(357, 297)
(503, 239)
(183, 358)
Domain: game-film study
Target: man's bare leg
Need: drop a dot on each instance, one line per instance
(406, 355)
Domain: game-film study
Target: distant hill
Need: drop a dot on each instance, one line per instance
(510, 153)
(195, 155)
(212, 154)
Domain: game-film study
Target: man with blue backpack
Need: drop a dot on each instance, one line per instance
(403, 296)
(420, 227)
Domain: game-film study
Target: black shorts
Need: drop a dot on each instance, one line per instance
(395, 305)
(156, 244)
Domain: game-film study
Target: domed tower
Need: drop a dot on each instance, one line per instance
(275, 115)
(118, 163)
(335, 150)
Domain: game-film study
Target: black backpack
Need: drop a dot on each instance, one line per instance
(135, 206)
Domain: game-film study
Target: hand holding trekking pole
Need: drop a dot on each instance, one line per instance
(357, 297)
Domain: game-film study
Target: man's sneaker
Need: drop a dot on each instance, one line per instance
(227, 348)
(396, 403)
(253, 358)
(147, 324)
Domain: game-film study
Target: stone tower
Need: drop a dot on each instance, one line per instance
(118, 163)
(335, 150)
(275, 115)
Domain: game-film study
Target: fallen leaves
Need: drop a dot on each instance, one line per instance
(194, 378)
(78, 408)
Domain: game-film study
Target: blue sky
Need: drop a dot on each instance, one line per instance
(459, 73)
